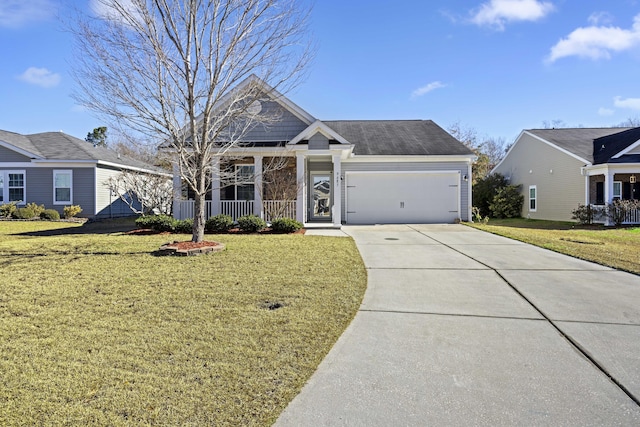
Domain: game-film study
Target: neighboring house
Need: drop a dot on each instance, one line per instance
(56, 170)
(560, 169)
(345, 171)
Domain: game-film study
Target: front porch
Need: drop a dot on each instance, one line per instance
(606, 184)
(305, 186)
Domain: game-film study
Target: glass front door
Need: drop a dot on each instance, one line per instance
(321, 196)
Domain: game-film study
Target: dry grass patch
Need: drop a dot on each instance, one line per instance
(613, 247)
(97, 331)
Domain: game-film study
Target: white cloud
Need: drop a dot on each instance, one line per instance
(600, 18)
(497, 13)
(606, 112)
(597, 42)
(118, 11)
(40, 77)
(631, 103)
(17, 13)
(426, 89)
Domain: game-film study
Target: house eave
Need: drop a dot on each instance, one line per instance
(19, 150)
(412, 158)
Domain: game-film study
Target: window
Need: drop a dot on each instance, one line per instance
(13, 187)
(62, 187)
(617, 190)
(533, 198)
(245, 182)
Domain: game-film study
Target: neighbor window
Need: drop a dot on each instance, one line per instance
(533, 198)
(12, 187)
(62, 180)
(617, 190)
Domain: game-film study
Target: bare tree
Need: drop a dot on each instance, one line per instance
(142, 192)
(172, 70)
(488, 150)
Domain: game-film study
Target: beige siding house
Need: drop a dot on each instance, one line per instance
(560, 169)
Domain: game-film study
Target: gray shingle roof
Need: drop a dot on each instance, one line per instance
(60, 146)
(579, 141)
(398, 137)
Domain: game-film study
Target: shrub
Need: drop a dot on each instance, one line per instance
(251, 223)
(50, 214)
(485, 190)
(220, 223)
(71, 211)
(507, 203)
(157, 222)
(145, 221)
(24, 213)
(37, 209)
(285, 225)
(617, 211)
(184, 226)
(477, 217)
(7, 210)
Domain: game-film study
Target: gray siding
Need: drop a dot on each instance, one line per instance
(107, 205)
(7, 155)
(556, 175)
(412, 167)
(285, 125)
(39, 188)
(318, 142)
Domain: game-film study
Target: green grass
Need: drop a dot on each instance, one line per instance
(95, 330)
(613, 247)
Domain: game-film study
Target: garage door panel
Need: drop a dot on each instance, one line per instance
(402, 197)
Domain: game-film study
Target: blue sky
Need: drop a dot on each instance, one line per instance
(497, 66)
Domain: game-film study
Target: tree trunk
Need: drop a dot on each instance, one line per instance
(199, 218)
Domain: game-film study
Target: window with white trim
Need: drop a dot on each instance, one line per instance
(245, 176)
(62, 187)
(533, 198)
(13, 186)
(617, 190)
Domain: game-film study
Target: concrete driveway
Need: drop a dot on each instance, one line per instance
(462, 327)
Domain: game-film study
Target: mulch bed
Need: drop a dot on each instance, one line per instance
(190, 248)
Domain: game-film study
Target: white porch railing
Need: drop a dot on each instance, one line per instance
(632, 216)
(272, 209)
(236, 208)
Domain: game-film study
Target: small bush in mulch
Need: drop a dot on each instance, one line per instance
(184, 226)
(50, 214)
(251, 223)
(220, 223)
(285, 225)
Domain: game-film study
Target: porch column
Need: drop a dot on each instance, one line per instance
(300, 179)
(257, 187)
(608, 187)
(177, 191)
(608, 191)
(587, 190)
(337, 192)
(215, 186)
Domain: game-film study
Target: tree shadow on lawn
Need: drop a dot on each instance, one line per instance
(107, 226)
(537, 224)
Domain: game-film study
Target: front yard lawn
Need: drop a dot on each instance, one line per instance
(614, 247)
(95, 330)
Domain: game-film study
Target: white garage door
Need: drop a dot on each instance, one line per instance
(402, 197)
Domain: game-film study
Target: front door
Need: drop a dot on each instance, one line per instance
(321, 197)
